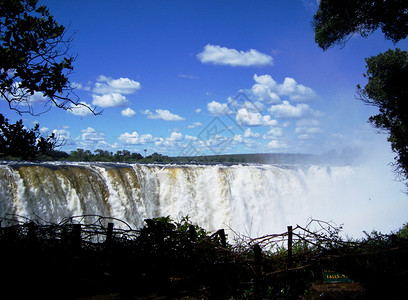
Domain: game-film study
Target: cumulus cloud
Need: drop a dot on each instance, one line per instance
(91, 135)
(110, 100)
(195, 125)
(218, 109)
(248, 118)
(80, 86)
(44, 130)
(238, 138)
(218, 55)
(306, 128)
(135, 139)
(109, 92)
(64, 136)
(276, 144)
(286, 110)
(236, 103)
(249, 134)
(37, 97)
(172, 142)
(108, 85)
(265, 93)
(128, 112)
(162, 114)
(175, 137)
(268, 90)
(82, 109)
(274, 132)
(190, 138)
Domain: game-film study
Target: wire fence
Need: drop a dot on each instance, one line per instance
(184, 257)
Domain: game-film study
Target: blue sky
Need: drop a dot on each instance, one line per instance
(209, 77)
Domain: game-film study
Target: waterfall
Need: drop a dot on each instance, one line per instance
(250, 199)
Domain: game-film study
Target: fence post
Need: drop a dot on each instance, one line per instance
(32, 236)
(109, 235)
(76, 239)
(31, 232)
(290, 237)
(221, 234)
(258, 259)
(258, 271)
(193, 234)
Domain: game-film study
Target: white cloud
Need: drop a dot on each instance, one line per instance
(306, 128)
(268, 90)
(163, 114)
(82, 109)
(63, 135)
(286, 110)
(274, 132)
(238, 138)
(108, 85)
(198, 110)
(195, 125)
(175, 137)
(218, 109)
(109, 92)
(264, 90)
(307, 123)
(44, 130)
(217, 142)
(91, 135)
(276, 144)
(235, 104)
(304, 136)
(224, 56)
(255, 106)
(80, 86)
(110, 100)
(190, 138)
(188, 76)
(135, 139)
(173, 141)
(37, 97)
(249, 133)
(128, 112)
(247, 118)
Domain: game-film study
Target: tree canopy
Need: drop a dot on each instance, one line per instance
(35, 62)
(35, 65)
(387, 89)
(19, 142)
(336, 21)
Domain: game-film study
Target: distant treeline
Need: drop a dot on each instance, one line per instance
(347, 157)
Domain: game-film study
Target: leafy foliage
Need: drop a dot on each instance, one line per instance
(27, 144)
(387, 89)
(336, 21)
(168, 259)
(35, 63)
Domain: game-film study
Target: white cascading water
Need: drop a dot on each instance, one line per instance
(252, 200)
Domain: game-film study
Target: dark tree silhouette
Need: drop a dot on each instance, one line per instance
(387, 88)
(27, 144)
(34, 58)
(336, 21)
